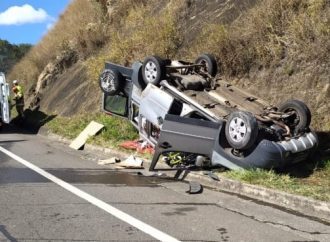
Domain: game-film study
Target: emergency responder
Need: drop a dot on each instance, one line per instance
(19, 98)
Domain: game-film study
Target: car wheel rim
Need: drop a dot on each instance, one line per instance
(237, 129)
(107, 82)
(150, 71)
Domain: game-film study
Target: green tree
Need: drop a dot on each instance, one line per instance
(10, 54)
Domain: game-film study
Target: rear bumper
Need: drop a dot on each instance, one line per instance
(270, 154)
(297, 150)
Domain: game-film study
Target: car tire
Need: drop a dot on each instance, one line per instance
(210, 63)
(302, 115)
(241, 130)
(111, 82)
(153, 70)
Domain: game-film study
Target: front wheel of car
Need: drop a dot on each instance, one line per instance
(241, 130)
(153, 70)
(111, 81)
(209, 62)
(300, 117)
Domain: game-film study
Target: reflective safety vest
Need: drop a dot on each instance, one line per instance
(18, 90)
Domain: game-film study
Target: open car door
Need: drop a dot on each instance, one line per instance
(181, 134)
(4, 95)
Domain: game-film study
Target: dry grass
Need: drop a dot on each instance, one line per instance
(268, 33)
(143, 30)
(284, 38)
(122, 32)
(79, 29)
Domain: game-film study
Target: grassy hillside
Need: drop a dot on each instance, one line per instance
(277, 49)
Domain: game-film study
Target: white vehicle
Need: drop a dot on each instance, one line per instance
(4, 96)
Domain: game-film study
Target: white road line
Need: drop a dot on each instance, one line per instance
(157, 234)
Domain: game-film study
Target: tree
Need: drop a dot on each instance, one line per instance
(10, 54)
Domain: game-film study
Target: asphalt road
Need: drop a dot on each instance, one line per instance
(97, 203)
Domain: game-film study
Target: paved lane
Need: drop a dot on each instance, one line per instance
(36, 209)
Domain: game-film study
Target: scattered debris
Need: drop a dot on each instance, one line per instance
(112, 160)
(138, 145)
(131, 162)
(153, 174)
(195, 188)
(212, 175)
(92, 129)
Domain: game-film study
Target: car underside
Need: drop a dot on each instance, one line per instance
(193, 118)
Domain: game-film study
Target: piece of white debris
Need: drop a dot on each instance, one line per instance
(132, 162)
(112, 160)
(92, 129)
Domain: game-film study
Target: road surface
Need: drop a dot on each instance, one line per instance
(49, 192)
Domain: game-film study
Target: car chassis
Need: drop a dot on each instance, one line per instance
(194, 119)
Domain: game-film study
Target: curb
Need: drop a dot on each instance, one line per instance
(303, 206)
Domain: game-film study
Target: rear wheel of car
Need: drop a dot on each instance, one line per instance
(301, 115)
(111, 81)
(241, 130)
(153, 70)
(209, 62)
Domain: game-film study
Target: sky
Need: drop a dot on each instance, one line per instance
(27, 21)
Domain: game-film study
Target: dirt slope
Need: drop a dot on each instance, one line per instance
(72, 92)
(275, 49)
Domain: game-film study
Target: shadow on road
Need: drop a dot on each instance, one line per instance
(31, 123)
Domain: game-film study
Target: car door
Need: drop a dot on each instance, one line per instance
(181, 134)
(117, 105)
(4, 95)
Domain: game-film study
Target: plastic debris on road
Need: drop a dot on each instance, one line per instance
(112, 160)
(131, 162)
(140, 146)
(195, 188)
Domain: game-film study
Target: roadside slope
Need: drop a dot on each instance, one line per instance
(275, 49)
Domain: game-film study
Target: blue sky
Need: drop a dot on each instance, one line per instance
(26, 21)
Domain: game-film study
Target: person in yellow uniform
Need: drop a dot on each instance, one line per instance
(19, 98)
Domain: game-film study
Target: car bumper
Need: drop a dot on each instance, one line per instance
(270, 154)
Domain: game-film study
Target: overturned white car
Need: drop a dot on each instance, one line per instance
(194, 119)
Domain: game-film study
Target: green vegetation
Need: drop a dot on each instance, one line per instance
(116, 130)
(10, 54)
(316, 185)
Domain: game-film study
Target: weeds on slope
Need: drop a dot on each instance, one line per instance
(268, 33)
(115, 129)
(144, 33)
(316, 185)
